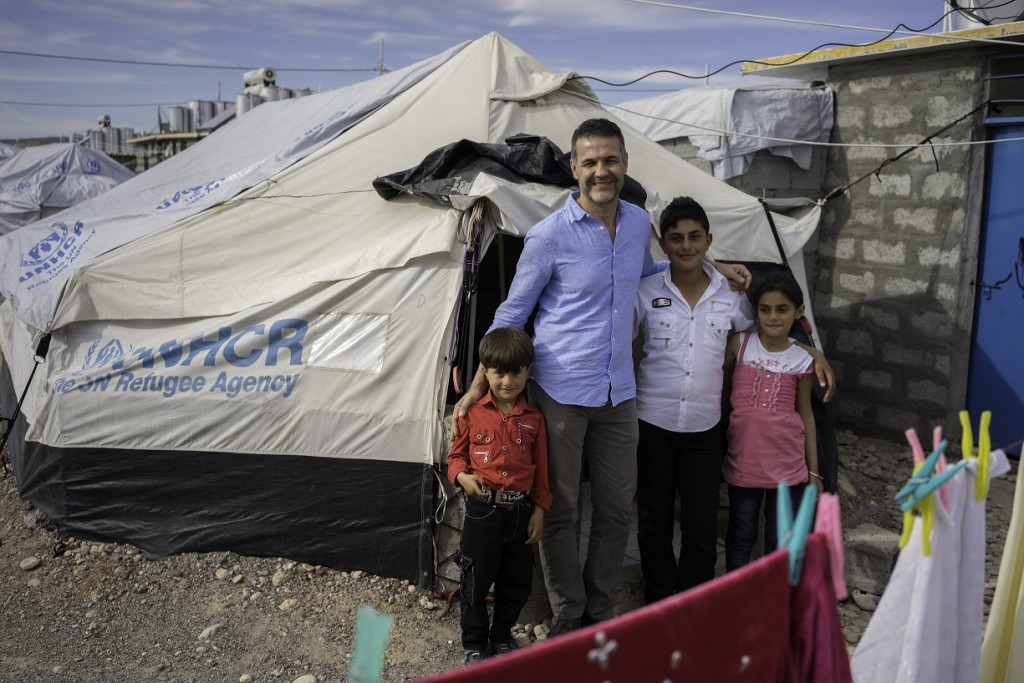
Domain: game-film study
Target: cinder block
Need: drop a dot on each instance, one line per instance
(888, 115)
(854, 341)
(861, 284)
(895, 185)
(921, 220)
(935, 324)
(901, 286)
(943, 184)
(902, 355)
(925, 390)
(880, 317)
(877, 251)
(875, 379)
(936, 256)
(871, 553)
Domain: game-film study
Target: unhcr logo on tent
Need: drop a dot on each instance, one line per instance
(190, 195)
(280, 343)
(53, 254)
(98, 356)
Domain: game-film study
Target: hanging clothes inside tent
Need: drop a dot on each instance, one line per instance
(1002, 650)
(927, 627)
(748, 626)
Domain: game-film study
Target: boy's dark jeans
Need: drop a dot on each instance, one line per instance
(690, 463)
(494, 551)
(745, 517)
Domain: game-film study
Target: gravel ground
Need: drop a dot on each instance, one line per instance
(83, 611)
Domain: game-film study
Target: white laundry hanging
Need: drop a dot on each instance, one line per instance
(927, 627)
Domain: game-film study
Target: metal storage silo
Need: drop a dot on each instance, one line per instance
(244, 103)
(180, 119)
(207, 111)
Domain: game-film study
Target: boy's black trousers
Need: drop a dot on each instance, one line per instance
(494, 551)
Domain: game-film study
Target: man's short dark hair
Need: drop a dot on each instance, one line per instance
(682, 208)
(597, 128)
(506, 349)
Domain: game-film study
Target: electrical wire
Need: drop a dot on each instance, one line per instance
(29, 119)
(823, 24)
(232, 67)
(926, 141)
(74, 104)
(799, 57)
(971, 12)
(790, 141)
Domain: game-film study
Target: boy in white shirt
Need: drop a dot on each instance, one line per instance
(685, 315)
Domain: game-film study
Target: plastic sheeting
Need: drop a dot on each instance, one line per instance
(451, 171)
(752, 118)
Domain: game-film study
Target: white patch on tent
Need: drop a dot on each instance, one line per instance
(355, 342)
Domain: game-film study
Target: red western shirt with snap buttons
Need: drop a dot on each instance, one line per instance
(510, 452)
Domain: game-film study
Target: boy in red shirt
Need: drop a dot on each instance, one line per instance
(500, 459)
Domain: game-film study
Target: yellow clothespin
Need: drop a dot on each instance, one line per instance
(983, 453)
(926, 508)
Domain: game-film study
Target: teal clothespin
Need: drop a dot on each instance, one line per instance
(792, 535)
(372, 630)
(923, 482)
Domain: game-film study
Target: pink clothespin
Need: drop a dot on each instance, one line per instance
(940, 466)
(918, 452)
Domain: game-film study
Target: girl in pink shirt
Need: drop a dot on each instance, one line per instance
(771, 428)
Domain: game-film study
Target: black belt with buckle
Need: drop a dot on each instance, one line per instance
(506, 497)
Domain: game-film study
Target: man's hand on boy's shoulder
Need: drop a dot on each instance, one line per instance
(476, 391)
(737, 274)
(535, 527)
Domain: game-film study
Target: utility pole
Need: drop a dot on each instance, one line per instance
(380, 60)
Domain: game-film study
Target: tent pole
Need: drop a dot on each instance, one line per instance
(502, 285)
(469, 372)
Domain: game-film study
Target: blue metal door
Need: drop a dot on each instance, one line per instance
(996, 379)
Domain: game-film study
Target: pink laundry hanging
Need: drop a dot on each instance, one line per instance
(748, 626)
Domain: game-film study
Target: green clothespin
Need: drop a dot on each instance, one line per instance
(372, 631)
(792, 534)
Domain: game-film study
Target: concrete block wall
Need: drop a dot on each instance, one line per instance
(895, 265)
(893, 299)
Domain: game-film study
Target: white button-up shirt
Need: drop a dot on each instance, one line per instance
(679, 381)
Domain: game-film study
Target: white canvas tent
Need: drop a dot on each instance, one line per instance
(8, 151)
(40, 181)
(249, 344)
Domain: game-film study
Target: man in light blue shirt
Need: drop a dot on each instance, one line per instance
(581, 267)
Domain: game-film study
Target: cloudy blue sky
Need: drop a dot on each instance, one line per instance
(616, 40)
